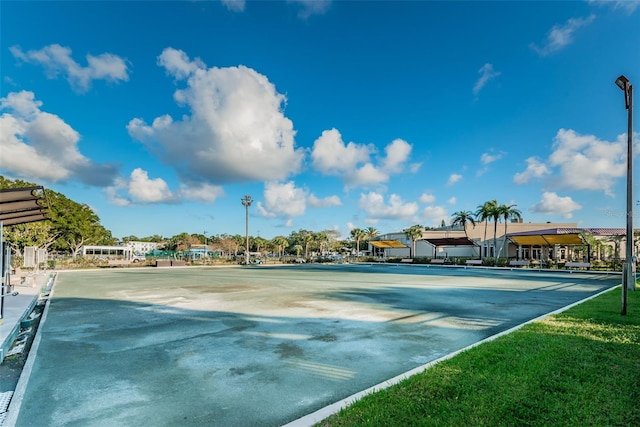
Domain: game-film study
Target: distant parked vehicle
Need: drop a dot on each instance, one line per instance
(300, 260)
(139, 258)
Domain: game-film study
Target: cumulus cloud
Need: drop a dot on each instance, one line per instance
(553, 204)
(452, 200)
(427, 198)
(200, 192)
(234, 5)
(57, 61)
(325, 202)
(487, 73)
(561, 36)
(434, 215)
(487, 158)
(311, 7)
(138, 188)
(285, 200)
(375, 207)
(352, 162)
(588, 163)
(236, 130)
(535, 169)
(282, 200)
(40, 145)
(146, 190)
(454, 178)
(627, 6)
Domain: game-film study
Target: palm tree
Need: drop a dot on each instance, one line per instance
(371, 232)
(414, 233)
(483, 213)
(463, 218)
(298, 249)
(507, 213)
(280, 242)
(322, 240)
(307, 238)
(357, 234)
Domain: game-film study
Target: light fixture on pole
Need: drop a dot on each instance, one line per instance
(246, 202)
(628, 276)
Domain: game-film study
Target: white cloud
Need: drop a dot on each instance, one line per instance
(326, 202)
(487, 73)
(562, 35)
(40, 145)
(201, 192)
(535, 169)
(311, 7)
(588, 163)
(352, 161)
(234, 5)
(236, 130)
(487, 158)
(397, 154)
(282, 200)
(427, 198)
(374, 205)
(454, 178)
(139, 189)
(435, 214)
(57, 60)
(146, 190)
(553, 204)
(627, 6)
(452, 201)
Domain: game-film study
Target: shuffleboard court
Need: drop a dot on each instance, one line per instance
(261, 346)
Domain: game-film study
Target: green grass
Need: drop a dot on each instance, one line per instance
(577, 368)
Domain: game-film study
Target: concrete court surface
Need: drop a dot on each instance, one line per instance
(261, 345)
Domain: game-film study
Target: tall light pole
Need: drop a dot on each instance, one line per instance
(246, 202)
(628, 276)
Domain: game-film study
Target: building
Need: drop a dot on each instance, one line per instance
(518, 240)
(141, 247)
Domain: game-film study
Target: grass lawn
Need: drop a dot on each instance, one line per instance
(577, 368)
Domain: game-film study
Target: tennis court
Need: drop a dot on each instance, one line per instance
(261, 345)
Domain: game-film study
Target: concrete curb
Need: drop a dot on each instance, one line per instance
(18, 394)
(321, 414)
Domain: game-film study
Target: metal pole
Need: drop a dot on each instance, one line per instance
(246, 202)
(631, 285)
(628, 276)
(5, 273)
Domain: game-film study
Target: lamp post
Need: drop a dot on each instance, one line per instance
(206, 245)
(628, 282)
(246, 202)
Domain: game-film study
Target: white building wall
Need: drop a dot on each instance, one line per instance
(141, 247)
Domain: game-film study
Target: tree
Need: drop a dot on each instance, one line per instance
(413, 233)
(69, 226)
(371, 233)
(259, 243)
(298, 249)
(483, 213)
(463, 218)
(280, 242)
(508, 213)
(357, 234)
(322, 240)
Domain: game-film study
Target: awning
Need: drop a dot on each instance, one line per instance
(549, 237)
(450, 241)
(386, 244)
(22, 205)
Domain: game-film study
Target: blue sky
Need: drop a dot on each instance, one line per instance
(162, 115)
